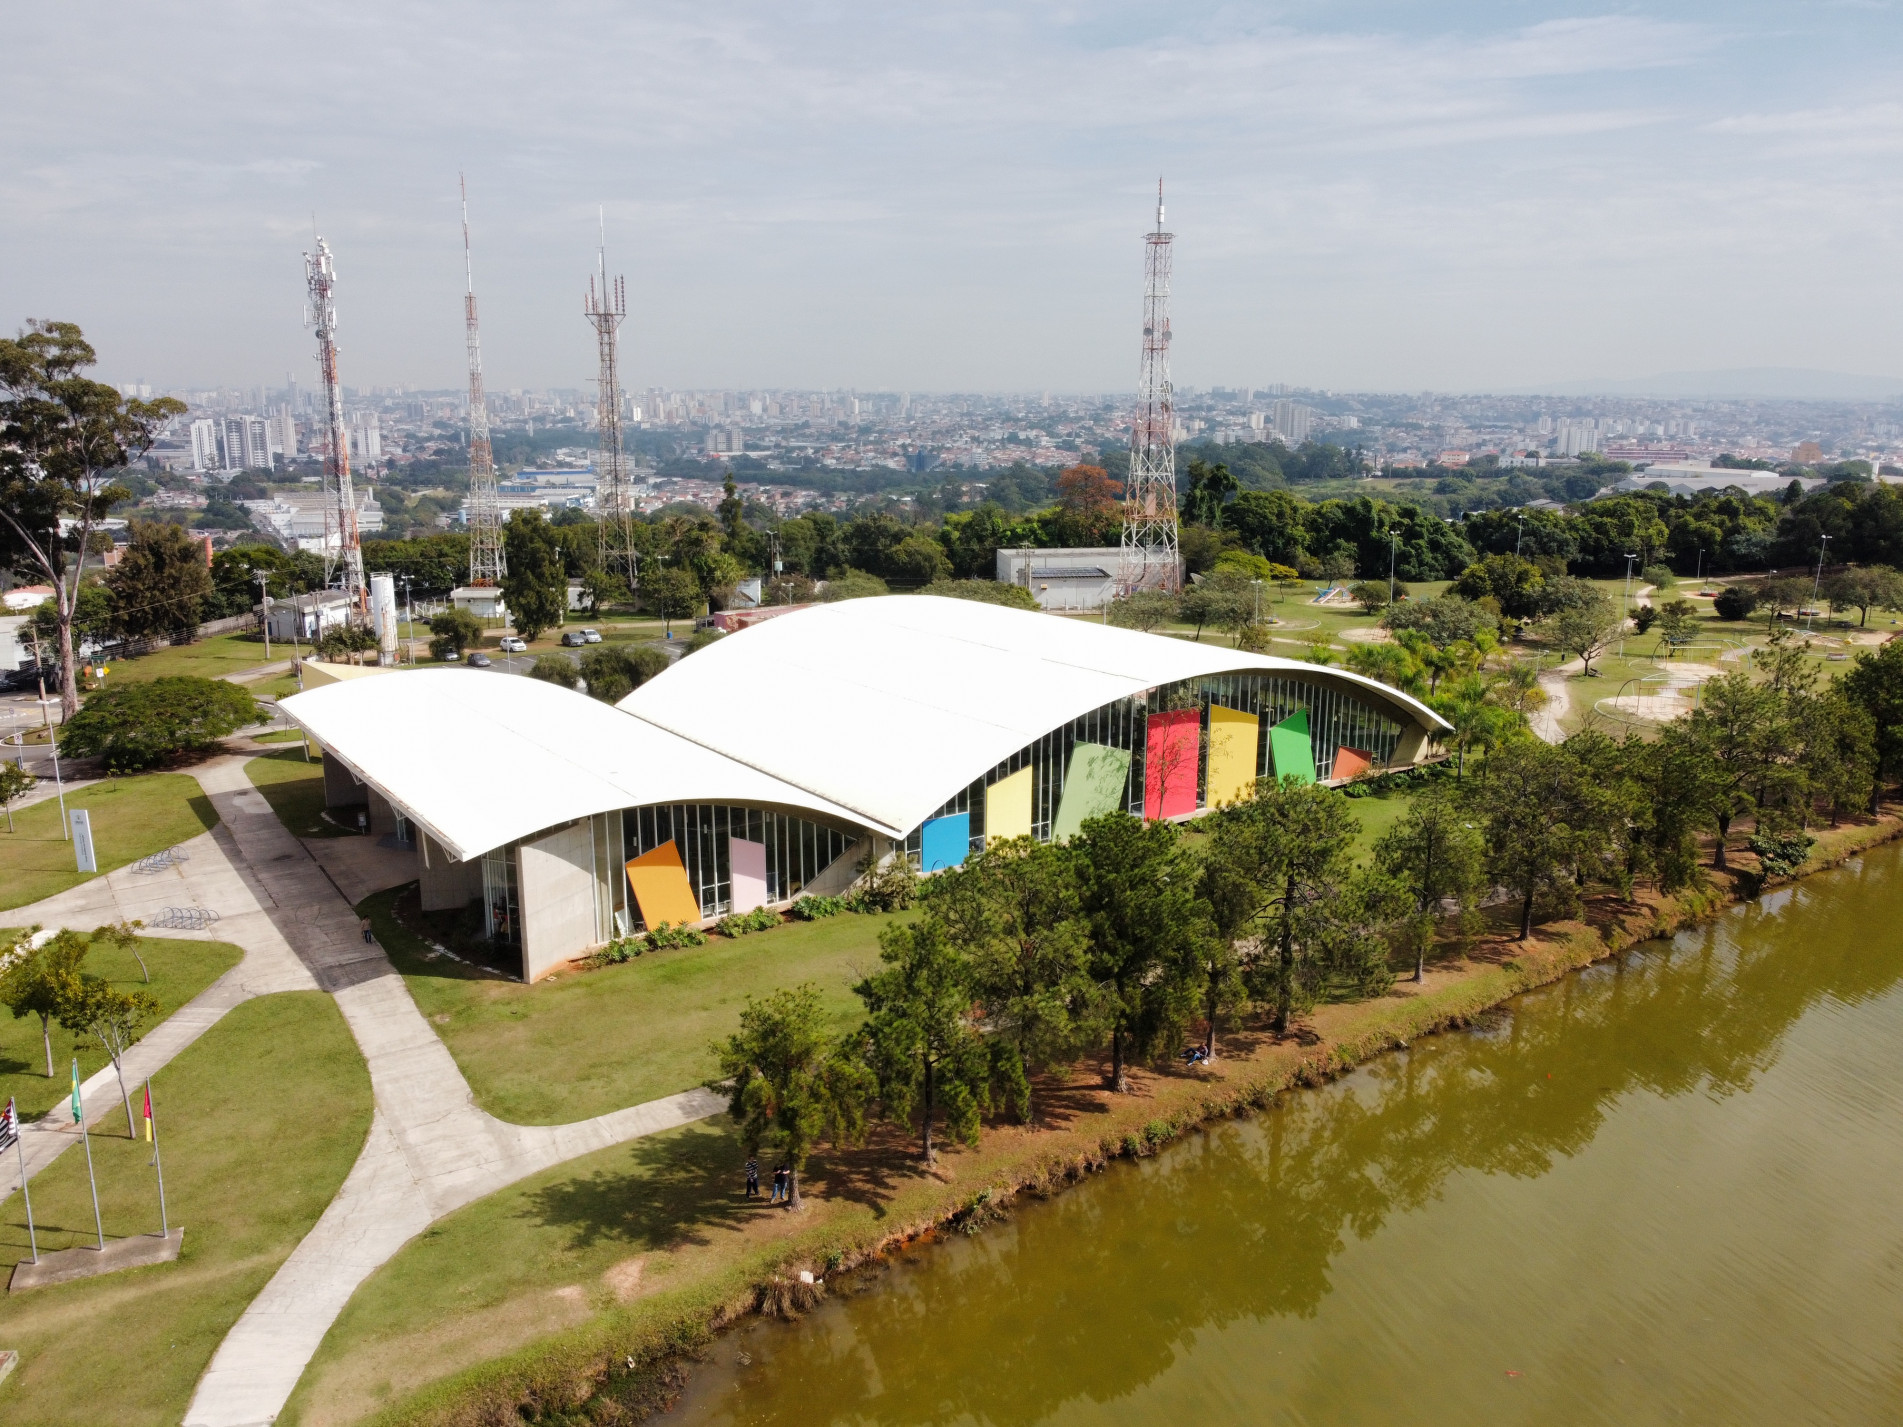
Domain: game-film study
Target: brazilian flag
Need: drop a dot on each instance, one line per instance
(77, 1116)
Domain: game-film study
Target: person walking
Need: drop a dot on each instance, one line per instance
(753, 1177)
(780, 1184)
(364, 927)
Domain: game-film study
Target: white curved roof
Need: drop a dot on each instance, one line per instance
(479, 759)
(888, 706)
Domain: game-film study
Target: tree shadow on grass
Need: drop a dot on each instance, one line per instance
(666, 1192)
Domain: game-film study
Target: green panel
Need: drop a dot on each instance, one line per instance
(1289, 746)
(1094, 786)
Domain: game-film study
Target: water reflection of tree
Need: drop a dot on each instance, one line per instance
(1092, 1296)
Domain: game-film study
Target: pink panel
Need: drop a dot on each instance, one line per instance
(746, 862)
(1169, 764)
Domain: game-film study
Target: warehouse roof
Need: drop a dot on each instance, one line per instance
(887, 707)
(478, 759)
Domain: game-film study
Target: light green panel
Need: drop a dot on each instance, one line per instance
(1289, 746)
(1092, 787)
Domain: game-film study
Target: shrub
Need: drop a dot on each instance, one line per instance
(1780, 856)
(136, 726)
(811, 909)
(738, 924)
(1659, 576)
(556, 669)
(853, 585)
(984, 591)
(614, 671)
(1644, 617)
(699, 640)
(891, 887)
(1735, 602)
(661, 938)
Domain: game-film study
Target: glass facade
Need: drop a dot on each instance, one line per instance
(501, 897)
(797, 850)
(1337, 718)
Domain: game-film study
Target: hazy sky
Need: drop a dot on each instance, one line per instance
(1365, 195)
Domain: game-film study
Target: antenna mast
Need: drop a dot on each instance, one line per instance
(487, 565)
(1150, 558)
(343, 551)
(605, 310)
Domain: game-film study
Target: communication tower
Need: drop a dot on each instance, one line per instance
(1149, 559)
(487, 564)
(605, 310)
(343, 551)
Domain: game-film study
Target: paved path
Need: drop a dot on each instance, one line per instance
(430, 1150)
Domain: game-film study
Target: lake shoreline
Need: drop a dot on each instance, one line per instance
(634, 1359)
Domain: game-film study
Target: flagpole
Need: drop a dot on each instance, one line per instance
(13, 1122)
(79, 1118)
(152, 1119)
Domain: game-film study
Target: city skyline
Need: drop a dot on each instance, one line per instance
(1366, 198)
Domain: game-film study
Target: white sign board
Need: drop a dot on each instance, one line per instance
(83, 840)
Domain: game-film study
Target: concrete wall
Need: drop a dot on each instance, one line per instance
(838, 875)
(341, 788)
(557, 898)
(446, 885)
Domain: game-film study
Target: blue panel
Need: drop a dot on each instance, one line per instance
(945, 841)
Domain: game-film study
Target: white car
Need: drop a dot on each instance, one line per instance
(512, 645)
(591, 636)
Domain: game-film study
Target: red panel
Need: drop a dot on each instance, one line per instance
(1169, 763)
(1350, 763)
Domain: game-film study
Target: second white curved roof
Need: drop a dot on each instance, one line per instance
(888, 706)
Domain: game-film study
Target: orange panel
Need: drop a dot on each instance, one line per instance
(661, 888)
(1350, 763)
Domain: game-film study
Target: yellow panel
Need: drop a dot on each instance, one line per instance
(661, 888)
(1232, 751)
(1008, 806)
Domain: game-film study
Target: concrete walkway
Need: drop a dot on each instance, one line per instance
(430, 1149)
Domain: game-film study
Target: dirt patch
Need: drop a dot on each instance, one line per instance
(624, 1279)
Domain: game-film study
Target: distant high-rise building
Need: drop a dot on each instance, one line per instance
(1291, 420)
(243, 443)
(205, 445)
(284, 433)
(366, 436)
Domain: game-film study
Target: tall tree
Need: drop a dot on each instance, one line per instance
(1438, 854)
(160, 585)
(789, 1083)
(62, 436)
(1283, 866)
(1138, 892)
(94, 1007)
(1527, 797)
(1013, 909)
(536, 587)
(1875, 681)
(922, 1035)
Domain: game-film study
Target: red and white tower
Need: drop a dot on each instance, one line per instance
(487, 564)
(343, 551)
(1150, 559)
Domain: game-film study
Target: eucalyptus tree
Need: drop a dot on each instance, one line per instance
(62, 436)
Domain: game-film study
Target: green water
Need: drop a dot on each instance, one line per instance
(1669, 1190)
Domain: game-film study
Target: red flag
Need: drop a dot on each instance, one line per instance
(148, 1111)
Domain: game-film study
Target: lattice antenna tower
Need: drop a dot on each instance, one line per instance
(487, 563)
(343, 551)
(1149, 559)
(606, 309)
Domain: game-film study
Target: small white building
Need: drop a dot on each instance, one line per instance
(1063, 579)
(308, 618)
(483, 601)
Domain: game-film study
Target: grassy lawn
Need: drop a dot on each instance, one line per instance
(180, 970)
(294, 787)
(584, 1043)
(131, 818)
(541, 1256)
(210, 658)
(282, 735)
(1376, 815)
(251, 1160)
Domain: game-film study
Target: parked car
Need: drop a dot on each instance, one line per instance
(479, 660)
(27, 680)
(591, 636)
(513, 645)
(572, 639)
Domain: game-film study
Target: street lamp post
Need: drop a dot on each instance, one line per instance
(409, 607)
(1393, 536)
(1520, 537)
(264, 611)
(1626, 610)
(1817, 584)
